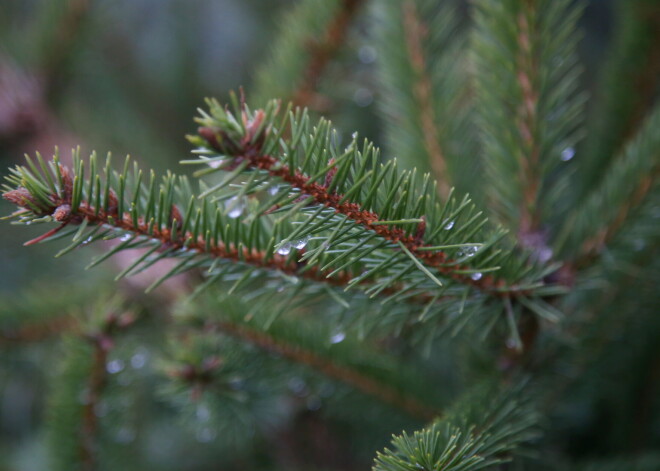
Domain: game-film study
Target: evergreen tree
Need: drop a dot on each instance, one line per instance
(308, 296)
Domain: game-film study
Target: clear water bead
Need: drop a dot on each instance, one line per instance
(367, 54)
(285, 249)
(203, 413)
(273, 189)
(297, 386)
(114, 366)
(125, 237)
(234, 207)
(567, 154)
(236, 383)
(337, 337)
(545, 254)
(206, 435)
(139, 360)
(476, 276)
(314, 403)
(449, 225)
(471, 250)
(301, 243)
(363, 97)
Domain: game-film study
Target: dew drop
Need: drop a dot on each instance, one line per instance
(471, 250)
(216, 163)
(139, 359)
(337, 337)
(236, 383)
(273, 189)
(87, 241)
(354, 135)
(203, 414)
(367, 54)
(545, 254)
(363, 97)
(313, 403)
(125, 237)
(234, 207)
(449, 225)
(567, 154)
(284, 249)
(206, 435)
(297, 385)
(125, 435)
(114, 366)
(301, 243)
(476, 276)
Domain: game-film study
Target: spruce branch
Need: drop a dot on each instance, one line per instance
(630, 181)
(350, 376)
(341, 218)
(529, 105)
(479, 432)
(332, 352)
(154, 221)
(73, 422)
(414, 31)
(378, 200)
(312, 35)
(626, 92)
(203, 236)
(423, 89)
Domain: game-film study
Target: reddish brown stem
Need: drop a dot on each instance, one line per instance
(218, 249)
(39, 331)
(527, 127)
(88, 434)
(102, 342)
(323, 50)
(593, 245)
(370, 220)
(415, 31)
(46, 235)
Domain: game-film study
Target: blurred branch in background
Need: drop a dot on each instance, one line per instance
(27, 122)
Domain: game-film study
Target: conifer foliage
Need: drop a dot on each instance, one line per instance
(316, 263)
